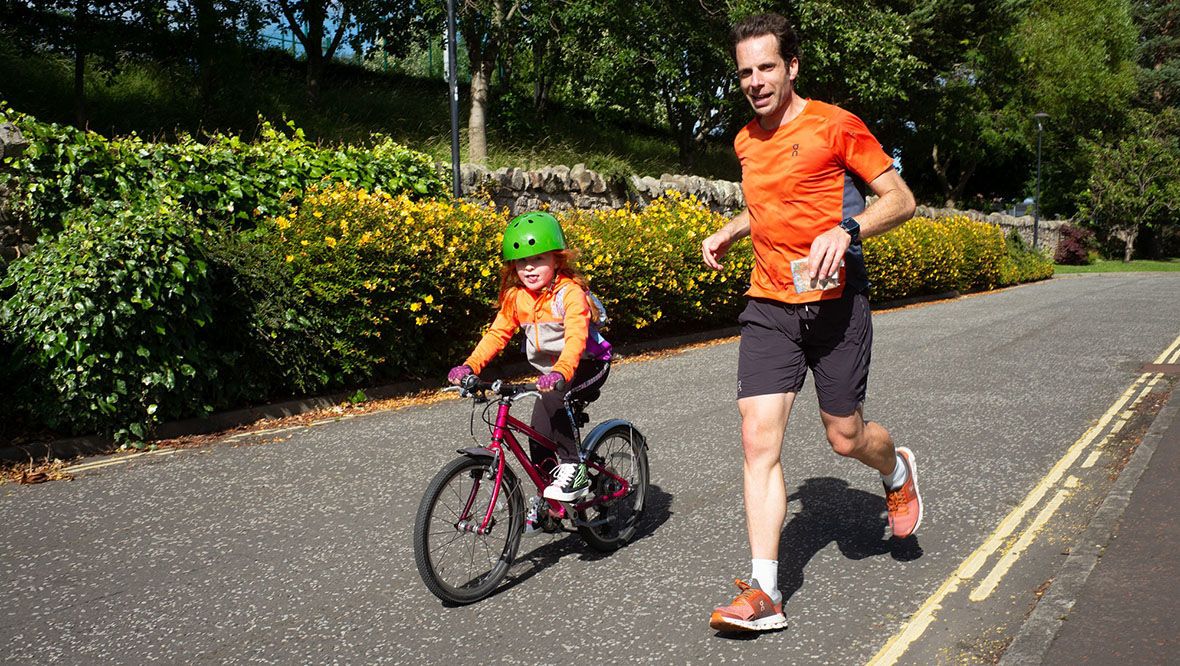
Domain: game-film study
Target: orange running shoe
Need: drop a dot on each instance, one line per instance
(751, 610)
(905, 503)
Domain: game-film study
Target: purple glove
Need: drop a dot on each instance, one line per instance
(457, 373)
(550, 381)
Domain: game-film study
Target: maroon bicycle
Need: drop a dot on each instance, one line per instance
(471, 516)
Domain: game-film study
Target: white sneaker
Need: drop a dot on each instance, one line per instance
(570, 482)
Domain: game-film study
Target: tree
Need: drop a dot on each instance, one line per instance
(956, 119)
(1133, 185)
(486, 28)
(1077, 61)
(486, 25)
(80, 28)
(673, 60)
(675, 53)
(856, 54)
(1159, 52)
(321, 26)
(204, 28)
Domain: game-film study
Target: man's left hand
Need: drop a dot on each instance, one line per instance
(827, 251)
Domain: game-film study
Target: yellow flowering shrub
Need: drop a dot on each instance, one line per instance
(926, 256)
(1022, 263)
(983, 248)
(646, 266)
(407, 283)
(409, 286)
(921, 256)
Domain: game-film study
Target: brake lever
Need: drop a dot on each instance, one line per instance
(463, 393)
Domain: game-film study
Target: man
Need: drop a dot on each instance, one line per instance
(804, 164)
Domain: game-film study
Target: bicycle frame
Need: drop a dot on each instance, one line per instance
(502, 433)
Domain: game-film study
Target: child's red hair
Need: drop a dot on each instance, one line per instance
(565, 265)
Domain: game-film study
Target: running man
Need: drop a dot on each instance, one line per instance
(805, 164)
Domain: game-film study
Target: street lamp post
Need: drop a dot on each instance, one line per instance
(453, 83)
(1039, 116)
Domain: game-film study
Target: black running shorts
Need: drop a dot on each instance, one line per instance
(833, 338)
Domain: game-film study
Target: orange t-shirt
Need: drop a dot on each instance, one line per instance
(799, 181)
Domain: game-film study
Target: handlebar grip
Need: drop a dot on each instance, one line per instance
(470, 382)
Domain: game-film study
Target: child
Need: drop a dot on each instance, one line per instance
(542, 293)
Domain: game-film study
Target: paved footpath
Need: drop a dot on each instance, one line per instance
(1126, 612)
(295, 547)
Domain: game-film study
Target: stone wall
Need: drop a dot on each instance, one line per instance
(15, 239)
(562, 188)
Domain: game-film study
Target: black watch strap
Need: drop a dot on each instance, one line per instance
(851, 227)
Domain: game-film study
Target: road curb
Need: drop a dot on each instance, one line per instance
(94, 445)
(1036, 635)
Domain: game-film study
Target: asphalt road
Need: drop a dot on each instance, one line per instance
(296, 547)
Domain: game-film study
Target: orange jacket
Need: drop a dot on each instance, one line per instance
(557, 334)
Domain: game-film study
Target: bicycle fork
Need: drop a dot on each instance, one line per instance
(484, 526)
(468, 523)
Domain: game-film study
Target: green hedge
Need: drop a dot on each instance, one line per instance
(105, 321)
(220, 178)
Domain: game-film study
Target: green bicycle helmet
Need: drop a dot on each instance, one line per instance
(531, 234)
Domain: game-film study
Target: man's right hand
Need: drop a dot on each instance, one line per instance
(714, 247)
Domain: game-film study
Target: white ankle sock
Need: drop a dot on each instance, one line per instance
(899, 476)
(766, 573)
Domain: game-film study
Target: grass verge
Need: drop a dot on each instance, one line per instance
(1116, 266)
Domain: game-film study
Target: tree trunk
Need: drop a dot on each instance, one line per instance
(81, 25)
(207, 25)
(483, 59)
(477, 134)
(314, 14)
(686, 148)
(940, 169)
(541, 79)
(961, 186)
(1128, 236)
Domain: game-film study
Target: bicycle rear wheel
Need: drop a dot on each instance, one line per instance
(458, 564)
(621, 453)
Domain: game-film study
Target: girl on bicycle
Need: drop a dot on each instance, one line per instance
(543, 294)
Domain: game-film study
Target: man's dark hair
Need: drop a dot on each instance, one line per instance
(767, 24)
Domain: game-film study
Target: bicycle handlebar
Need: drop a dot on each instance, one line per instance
(472, 383)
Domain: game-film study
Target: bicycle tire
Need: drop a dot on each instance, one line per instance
(607, 527)
(436, 529)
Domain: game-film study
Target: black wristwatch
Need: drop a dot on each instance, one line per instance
(851, 227)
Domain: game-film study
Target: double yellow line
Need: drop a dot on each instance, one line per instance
(1119, 413)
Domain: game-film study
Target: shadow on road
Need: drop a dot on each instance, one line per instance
(833, 511)
(656, 513)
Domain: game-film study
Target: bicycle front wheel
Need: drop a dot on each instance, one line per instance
(459, 560)
(621, 455)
